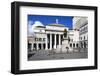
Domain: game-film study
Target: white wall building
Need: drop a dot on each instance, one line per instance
(81, 23)
(51, 37)
(74, 38)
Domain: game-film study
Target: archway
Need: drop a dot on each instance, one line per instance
(39, 46)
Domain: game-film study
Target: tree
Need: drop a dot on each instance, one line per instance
(65, 33)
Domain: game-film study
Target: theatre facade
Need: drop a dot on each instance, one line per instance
(55, 37)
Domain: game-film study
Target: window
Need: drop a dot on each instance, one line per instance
(84, 37)
(43, 39)
(40, 39)
(73, 44)
(70, 45)
(29, 45)
(77, 45)
(36, 39)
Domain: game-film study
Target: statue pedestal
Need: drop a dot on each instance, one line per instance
(65, 45)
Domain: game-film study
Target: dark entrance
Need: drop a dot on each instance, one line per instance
(39, 46)
(52, 40)
(44, 46)
(34, 45)
(48, 35)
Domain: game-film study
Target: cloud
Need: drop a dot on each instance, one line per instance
(36, 23)
(30, 32)
(31, 27)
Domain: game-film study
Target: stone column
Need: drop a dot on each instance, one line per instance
(46, 41)
(37, 46)
(42, 46)
(32, 46)
(55, 43)
(50, 41)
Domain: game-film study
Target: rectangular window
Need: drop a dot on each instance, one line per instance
(43, 39)
(40, 39)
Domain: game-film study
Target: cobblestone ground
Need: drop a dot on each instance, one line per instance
(49, 55)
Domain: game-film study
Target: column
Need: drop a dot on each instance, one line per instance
(50, 41)
(46, 45)
(75, 45)
(32, 46)
(42, 46)
(59, 41)
(37, 46)
(55, 42)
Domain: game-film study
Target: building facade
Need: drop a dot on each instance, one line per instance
(74, 39)
(81, 24)
(51, 37)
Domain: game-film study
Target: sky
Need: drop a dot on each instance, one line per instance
(49, 19)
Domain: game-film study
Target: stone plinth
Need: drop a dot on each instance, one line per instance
(65, 45)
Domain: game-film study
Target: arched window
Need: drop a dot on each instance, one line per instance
(81, 45)
(29, 45)
(77, 45)
(39, 46)
(85, 44)
(34, 45)
(70, 44)
(84, 37)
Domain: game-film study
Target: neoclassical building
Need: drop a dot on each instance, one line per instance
(81, 23)
(51, 37)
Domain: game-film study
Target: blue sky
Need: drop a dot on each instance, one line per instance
(49, 19)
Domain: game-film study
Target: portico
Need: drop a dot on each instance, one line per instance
(53, 40)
